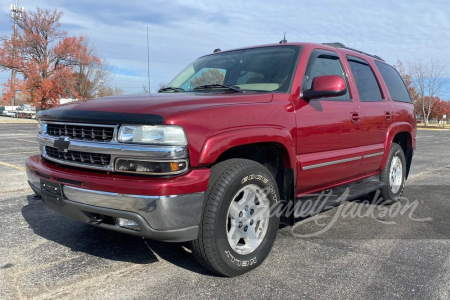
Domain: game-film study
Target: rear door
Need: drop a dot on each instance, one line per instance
(328, 130)
(376, 113)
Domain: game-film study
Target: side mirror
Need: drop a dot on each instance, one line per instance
(326, 86)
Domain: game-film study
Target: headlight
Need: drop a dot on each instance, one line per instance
(148, 134)
(42, 127)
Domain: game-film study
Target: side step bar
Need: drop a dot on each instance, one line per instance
(357, 190)
(327, 199)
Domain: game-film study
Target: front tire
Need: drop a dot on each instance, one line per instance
(394, 174)
(237, 230)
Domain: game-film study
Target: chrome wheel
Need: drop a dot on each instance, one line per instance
(237, 230)
(396, 175)
(248, 219)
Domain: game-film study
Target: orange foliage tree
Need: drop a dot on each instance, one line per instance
(440, 109)
(426, 83)
(407, 80)
(430, 83)
(45, 57)
(400, 67)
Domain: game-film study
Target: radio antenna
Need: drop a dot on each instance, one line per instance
(283, 41)
(148, 64)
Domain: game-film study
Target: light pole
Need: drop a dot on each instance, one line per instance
(16, 14)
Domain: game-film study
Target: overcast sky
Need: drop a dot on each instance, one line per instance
(181, 31)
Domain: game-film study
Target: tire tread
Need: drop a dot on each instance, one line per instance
(202, 247)
(384, 176)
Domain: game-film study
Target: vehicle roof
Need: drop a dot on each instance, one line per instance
(336, 46)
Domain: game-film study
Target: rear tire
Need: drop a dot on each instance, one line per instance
(394, 174)
(237, 230)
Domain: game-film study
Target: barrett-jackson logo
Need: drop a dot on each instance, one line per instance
(62, 144)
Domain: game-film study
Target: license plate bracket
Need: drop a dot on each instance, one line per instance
(51, 192)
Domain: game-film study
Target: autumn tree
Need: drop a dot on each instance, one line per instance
(401, 69)
(46, 58)
(440, 109)
(430, 83)
(91, 74)
(212, 76)
(107, 91)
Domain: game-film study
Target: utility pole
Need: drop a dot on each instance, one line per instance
(16, 14)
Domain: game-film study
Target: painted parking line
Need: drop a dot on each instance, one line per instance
(12, 166)
(14, 153)
(434, 129)
(27, 141)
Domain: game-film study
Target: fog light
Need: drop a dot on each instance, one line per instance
(129, 224)
(151, 167)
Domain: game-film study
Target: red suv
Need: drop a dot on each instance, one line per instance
(235, 134)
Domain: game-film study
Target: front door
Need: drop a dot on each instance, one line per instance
(328, 131)
(376, 114)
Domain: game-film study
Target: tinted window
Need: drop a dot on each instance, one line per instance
(205, 76)
(366, 81)
(324, 63)
(394, 82)
(266, 69)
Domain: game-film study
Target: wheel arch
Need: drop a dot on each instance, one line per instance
(216, 145)
(403, 137)
(271, 147)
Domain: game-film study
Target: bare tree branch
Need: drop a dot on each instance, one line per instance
(430, 84)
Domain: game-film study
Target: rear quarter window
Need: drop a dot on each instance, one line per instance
(394, 83)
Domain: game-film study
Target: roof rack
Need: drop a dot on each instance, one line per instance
(340, 45)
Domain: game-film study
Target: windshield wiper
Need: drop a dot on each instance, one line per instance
(208, 87)
(170, 89)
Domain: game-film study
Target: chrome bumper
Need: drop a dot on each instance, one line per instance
(167, 218)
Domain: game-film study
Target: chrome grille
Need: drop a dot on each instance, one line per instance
(77, 157)
(82, 132)
(94, 146)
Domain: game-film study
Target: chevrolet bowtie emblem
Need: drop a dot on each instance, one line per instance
(62, 144)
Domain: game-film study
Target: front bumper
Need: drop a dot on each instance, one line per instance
(167, 218)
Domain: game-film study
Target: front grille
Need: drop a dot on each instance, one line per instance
(81, 132)
(77, 157)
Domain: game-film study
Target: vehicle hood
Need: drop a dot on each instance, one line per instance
(153, 108)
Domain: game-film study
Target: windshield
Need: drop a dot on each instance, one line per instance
(268, 69)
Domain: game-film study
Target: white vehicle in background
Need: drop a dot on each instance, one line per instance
(26, 111)
(9, 113)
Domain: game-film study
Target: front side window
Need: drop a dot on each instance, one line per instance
(324, 63)
(266, 69)
(366, 82)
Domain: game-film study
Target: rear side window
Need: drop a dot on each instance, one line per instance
(366, 82)
(394, 83)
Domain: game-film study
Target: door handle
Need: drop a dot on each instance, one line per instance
(388, 115)
(355, 117)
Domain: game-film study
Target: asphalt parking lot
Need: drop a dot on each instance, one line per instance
(44, 255)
